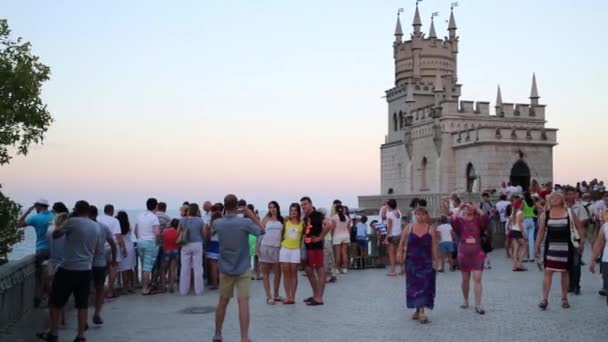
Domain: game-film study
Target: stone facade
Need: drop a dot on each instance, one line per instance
(438, 143)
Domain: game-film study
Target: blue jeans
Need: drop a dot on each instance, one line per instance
(530, 231)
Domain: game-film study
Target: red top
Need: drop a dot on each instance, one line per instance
(170, 239)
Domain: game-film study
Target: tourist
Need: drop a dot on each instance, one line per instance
(289, 255)
(580, 217)
(254, 246)
(591, 226)
(100, 262)
(518, 240)
(213, 247)
(379, 230)
(600, 248)
(170, 256)
(341, 238)
(74, 274)
(501, 208)
(314, 234)
(57, 246)
(147, 230)
(393, 220)
(468, 226)
(503, 189)
(111, 222)
(528, 225)
(270, 247)
(192, 252)
(411, 215)
(329, 261)
(40, 222)
(234, 263)
(446, 243)
(128, 261)
(362, 237)
(560, 231)
(383, 211)
(418, 244)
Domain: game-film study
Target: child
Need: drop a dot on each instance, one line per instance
(362, 236)
(446, 243)
(170, 254)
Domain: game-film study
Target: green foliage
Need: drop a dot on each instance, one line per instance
(24, 118)
(9, 233)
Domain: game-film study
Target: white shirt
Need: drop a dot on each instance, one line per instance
(446, 232)
(145, 226)
(111, 222)
(501, 207)
(394, 216)
(512, 190)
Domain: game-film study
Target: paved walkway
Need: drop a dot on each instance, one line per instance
(368, 306)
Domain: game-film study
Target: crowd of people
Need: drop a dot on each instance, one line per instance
(221, 242)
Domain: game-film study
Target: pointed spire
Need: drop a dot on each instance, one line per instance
(452, 22)
(432, 33)
(398, 30)
(534, 92)
(498, 97)
(417, 22)
(438, 83)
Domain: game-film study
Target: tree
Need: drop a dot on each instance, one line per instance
(24, 118)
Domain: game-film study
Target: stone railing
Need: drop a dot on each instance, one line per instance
(17, 286)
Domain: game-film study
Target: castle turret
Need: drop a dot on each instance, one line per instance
(534, 92)
(432, 33)
(498, 105)
(452, 25)
(417, 23)
(398, 31)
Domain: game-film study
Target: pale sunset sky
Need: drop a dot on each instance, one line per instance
(190, 100)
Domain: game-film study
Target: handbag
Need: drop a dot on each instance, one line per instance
(486, 238)
(574, 237)
(182, 236)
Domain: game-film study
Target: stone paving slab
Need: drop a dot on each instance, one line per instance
(368, 306)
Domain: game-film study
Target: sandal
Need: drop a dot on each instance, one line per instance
(288, 302)
(308, 299)
(543, 305)
(217, 338)
(423, 319)
(46, 336)
(416, 316)
(278, 299)
(565, 304)
(97, 320)
(464, 306)
(479, 310)
(391, 274)
(269, 301)
(314, 303)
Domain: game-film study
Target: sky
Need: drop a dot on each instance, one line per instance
(190, 100)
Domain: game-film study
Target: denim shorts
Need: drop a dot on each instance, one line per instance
(446, 247)
(170, 255)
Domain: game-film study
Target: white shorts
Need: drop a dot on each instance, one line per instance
(290, 256)
(340, 239)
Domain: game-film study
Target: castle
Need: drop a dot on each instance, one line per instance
(437, 143)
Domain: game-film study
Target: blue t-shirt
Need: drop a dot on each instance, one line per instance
(41, 223)
(361, 231)
(233, 233)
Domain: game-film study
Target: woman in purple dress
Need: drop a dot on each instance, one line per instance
(419, 246)
(469, 223)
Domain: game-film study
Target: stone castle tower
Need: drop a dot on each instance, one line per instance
(437, 143)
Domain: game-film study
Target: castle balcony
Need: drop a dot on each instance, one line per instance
(504, 136)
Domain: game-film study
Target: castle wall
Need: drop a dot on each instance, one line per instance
(394, 166)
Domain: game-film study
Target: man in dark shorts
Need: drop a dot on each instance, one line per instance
(100, 263)
(74, 274)
(314, 234)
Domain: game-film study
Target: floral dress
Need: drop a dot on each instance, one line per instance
(470, 255)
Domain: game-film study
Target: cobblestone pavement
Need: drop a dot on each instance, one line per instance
(368, 306)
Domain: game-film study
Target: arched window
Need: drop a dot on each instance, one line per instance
(395, 122)
(471, 177)
(423, 168)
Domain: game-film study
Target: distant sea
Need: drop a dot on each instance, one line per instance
(28, 245)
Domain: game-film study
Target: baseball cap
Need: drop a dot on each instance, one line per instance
(42, 202)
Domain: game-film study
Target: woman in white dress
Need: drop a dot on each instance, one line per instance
(127, 264)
